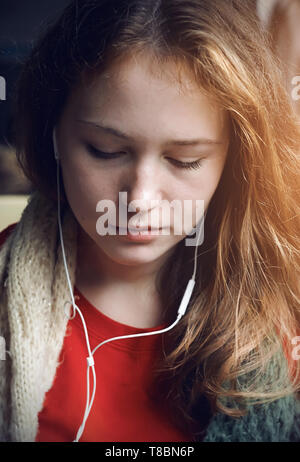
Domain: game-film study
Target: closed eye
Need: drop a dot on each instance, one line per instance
(189, 165)
(101, 154)
(114, 155)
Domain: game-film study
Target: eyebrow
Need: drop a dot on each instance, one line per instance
(124, 136)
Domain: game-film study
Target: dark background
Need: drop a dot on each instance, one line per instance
(21, 22)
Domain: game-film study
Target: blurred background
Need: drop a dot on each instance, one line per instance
(282, 19)
(21, 23)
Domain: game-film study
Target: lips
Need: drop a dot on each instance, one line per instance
(139, 228)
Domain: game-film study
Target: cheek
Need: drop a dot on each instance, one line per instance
(210, 182)
(205, 184)
(84, 188)
(202, 190)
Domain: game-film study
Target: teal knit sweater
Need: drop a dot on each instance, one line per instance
(276, 421)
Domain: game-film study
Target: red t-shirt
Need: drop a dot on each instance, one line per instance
(122, 410)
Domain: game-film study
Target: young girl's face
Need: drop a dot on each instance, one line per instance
(147, 116)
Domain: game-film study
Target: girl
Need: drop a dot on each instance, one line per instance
(162, 101)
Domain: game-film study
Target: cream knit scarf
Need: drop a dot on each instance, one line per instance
(33, 318)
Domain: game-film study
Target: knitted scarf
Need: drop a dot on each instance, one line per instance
(33, 321)
(33, 317)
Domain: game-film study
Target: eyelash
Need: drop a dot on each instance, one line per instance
(107, 156)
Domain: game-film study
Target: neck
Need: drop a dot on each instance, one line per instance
(110, 285)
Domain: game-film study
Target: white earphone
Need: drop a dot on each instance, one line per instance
(56, 154)
(90, 358)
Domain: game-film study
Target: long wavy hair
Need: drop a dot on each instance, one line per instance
(245, 305)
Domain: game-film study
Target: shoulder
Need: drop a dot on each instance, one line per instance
(276, 421)
(6, 232)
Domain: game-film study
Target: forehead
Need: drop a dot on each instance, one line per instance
(173, 70)
(139, 91)
(129, 71)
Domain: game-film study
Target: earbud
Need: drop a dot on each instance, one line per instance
(56, 154)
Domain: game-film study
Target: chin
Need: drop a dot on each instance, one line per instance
(136, 255)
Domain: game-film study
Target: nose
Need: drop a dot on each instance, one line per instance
(144, 187)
